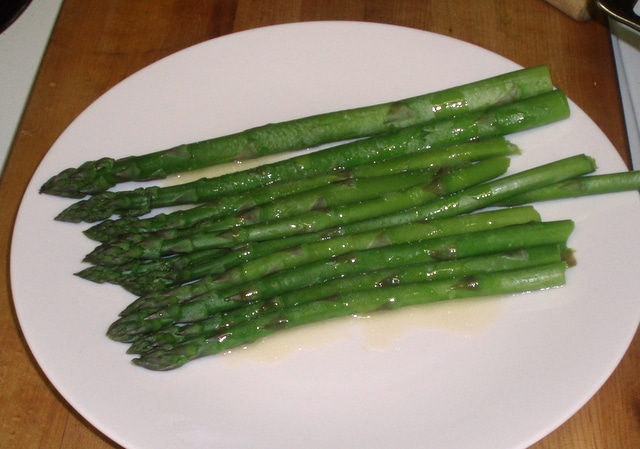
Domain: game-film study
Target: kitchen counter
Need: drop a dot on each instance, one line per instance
(96, 44)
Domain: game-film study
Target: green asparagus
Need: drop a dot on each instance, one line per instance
(486, 194)
(122, 251)
(242, 289)
(357, 303)
(579, 187)
(391, 210)
(509, 260)
(110, 229)
(273, 260)
(144, 276)
(97, 176)
(496, 121)
(322, 199)
(438, 157)
(143, 281)
(389, 216)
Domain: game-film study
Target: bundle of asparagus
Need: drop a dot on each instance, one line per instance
(412, 204)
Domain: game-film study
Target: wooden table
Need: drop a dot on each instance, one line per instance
(96, 44)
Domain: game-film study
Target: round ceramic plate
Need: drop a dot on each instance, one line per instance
(497, 373)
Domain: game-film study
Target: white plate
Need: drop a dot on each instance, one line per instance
(495, 374)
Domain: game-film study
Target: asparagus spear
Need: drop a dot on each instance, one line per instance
(509, 260)
(580, 186)
(279, 254)
(443, 156)
(486, 194)
(123, 250)
(496, 121)
(438, 157)
(325, 198)
(108, 230)
(577, 187)
(156, 281)
(144, 276)
(273, 259)
(242, 289)
(357, 303)
(97, 176)
(167, 277)
(390, 210)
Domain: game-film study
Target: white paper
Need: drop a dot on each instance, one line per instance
(626, 47)
(21, 48)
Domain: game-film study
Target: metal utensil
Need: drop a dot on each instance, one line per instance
(624, 11)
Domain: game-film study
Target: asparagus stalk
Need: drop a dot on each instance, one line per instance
(576, 187)
(486, 194)
(389, 210)
(277, 258)
(110, 229)
(579, 187)
(189, 266)
(496, 121)
(319, 200)
(144, 276)
(509, 260)
(97, 176)
(444, 156)
(140, 276)
(452, 155)
(123, 250)
(168, 277)
(356, 303)
(237, 293)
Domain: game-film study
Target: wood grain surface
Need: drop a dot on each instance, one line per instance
(96, 44)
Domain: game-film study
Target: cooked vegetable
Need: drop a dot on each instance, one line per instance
(407, 207)
(388, 275)
(483, 195)
(144, 276)
(243, 286)
(445, 183)
(436, 158)
(272, 260)
(97, 176)
(579, 187)
(496, 121)
(354, 303)
(336, 195)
